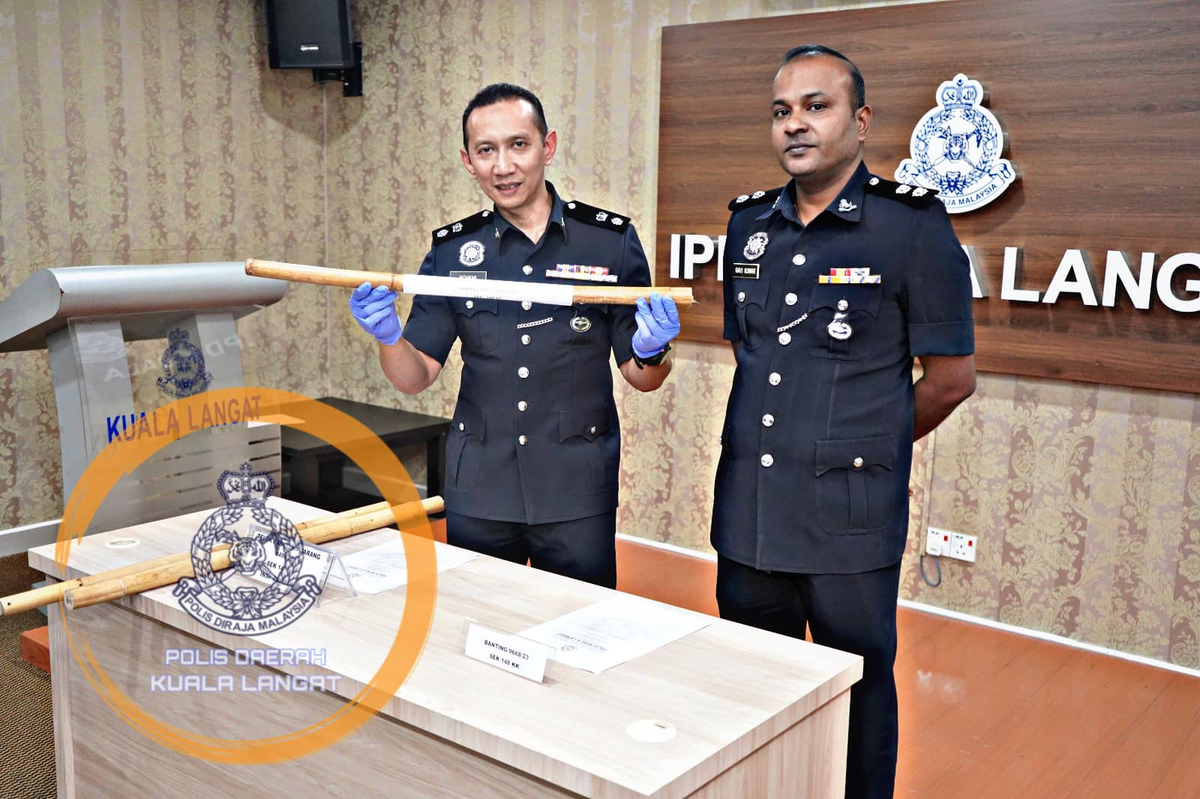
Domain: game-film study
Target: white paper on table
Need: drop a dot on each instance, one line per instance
(383, 567)
(609, 633)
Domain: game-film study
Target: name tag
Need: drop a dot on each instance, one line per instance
(472, 275)
(512, 653)
(746, 271)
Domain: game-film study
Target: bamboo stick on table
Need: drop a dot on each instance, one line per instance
(49, 594)
(350, 278)
(155, 574)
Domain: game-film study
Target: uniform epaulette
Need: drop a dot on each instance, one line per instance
(757, 198)
(918, 196)
(594, 216)
(462, 227)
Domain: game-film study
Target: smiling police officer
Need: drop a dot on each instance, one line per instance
(532, 457)
(833, 284)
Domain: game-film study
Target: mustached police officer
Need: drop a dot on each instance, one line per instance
(833, 284)
(532, 457)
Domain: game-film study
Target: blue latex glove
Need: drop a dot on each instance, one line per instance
(375, 311)
(657, 323)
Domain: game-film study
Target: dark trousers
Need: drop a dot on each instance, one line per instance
(585, 549)
(852, 612)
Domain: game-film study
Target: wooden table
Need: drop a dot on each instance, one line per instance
(757, 714)
(316, 468)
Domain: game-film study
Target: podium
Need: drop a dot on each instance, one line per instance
(745, 713)
(84, 315)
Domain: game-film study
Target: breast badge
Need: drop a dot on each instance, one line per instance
(756, 245)
(471, 254)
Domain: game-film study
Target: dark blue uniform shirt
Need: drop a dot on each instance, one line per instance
(534, 437)
(817, 443)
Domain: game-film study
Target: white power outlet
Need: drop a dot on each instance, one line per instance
(937, 541)
(962, 547)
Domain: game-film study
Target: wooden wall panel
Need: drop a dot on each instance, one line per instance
(1101, 103)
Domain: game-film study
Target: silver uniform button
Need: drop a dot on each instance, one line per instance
(766, 460)
(527, 269)
(785, 338)
(858, 463)
(843, 305)
(523, 440)
(790, 298)
(523, 372)
(741, 296)
(526, 305)
(525, 339)
(461, 427)
(592, 429)
(768, 420)
(522, 405)
(470, 304)
(798, 259)
(775, 378)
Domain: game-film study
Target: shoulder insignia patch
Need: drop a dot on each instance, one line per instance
(757, 198)
(461, 227)
(595, 216)
(917, 196)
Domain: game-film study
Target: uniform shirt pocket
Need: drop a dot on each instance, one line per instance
(478, 323)
(854, 307)
(464, 449)
(750, 302)
(856, 484)
(580, 434)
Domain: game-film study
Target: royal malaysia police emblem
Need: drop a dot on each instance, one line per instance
(471, 254)
(264, 587)
(956, 149)
(183, 367)
(756, 245)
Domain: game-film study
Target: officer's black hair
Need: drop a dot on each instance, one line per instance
(499, 92)
(814, 50)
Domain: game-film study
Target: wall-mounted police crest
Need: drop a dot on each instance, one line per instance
(956, 149)
(471, 254)
(264, 550)
(756, 245)
(183, 367)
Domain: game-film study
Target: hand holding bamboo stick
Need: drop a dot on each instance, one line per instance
(564, 294)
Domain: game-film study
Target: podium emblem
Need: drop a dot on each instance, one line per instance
(183, 367)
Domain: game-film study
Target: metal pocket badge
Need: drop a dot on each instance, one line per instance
(839, 329)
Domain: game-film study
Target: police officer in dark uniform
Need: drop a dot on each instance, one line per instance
(833, 284)
(532, 456)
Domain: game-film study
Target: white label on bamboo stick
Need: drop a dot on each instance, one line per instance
(511, 290)
(512, 653)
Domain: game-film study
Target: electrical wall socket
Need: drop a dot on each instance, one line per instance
(962, 547)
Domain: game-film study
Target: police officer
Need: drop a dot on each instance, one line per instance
(532, 456)
(833, 284)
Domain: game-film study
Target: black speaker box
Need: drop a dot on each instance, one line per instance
(309, 34)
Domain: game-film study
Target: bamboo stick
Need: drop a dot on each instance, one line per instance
(156, 574)
(349, 278)
(49, 594)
